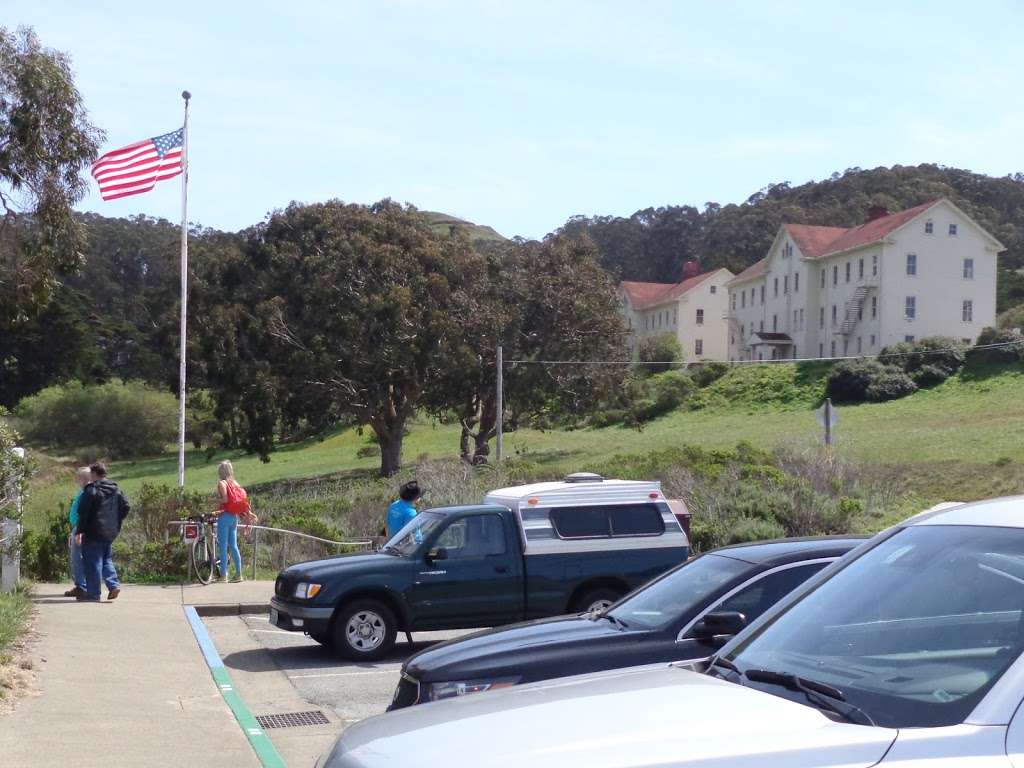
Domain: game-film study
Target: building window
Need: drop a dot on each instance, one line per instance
(968, 269)
(821, 317)
(928, 227)
(847, 271)
(835, 275)
(714, 289)
(801, 317)
(860, 313)
(734, 302)
(743, 300)
(760, 325)
(675, 316)
(822, 277)
(872, 341)
(698, 346)
(776, 286)
(821, 349)
(796, 315)
(874, 265)
(832, 349)
(966, 341)
(967, 313)
(911, 263)
(762, 295)
(752, 297)
(785, 284)
(700, 317)
(874, 306)
(775, 323)
(846, 347)
(796, 283)
(860, 269)
(952, 230)
(859, 345)
(910, 308)
(909, 339)
(834, 314)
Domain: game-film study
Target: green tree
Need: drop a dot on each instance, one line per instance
(46, 140)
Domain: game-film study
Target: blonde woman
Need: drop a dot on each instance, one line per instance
(233, 503)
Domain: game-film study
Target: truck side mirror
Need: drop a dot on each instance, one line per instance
(718, 623)
(437, 553)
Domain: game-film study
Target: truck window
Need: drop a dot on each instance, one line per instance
(474, 536)
(607, 520)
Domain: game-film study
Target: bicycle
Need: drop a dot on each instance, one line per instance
(203, 553)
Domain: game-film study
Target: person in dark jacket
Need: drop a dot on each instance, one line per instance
(101, 512)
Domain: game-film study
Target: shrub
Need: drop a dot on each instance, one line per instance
(704, 374)
(1012, 353)
(929, 361)
(657, 395)
(747, 529)
(1011, 318)
(121, 419)
(163, 561)
(45, 556)
(154, 506)
(664, 349)
(856, 381)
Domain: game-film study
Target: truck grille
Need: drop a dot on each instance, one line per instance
(281, 587)
(406, 694)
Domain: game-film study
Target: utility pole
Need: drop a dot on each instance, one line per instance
(499, 405)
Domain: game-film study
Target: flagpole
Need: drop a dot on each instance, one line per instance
(184, 296)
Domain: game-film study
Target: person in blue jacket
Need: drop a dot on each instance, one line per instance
(403, 510)
(83, 477)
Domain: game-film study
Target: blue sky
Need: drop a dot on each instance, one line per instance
(520, 114)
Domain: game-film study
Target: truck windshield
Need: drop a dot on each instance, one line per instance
(678, 592)
(413, 533)
(913, 632)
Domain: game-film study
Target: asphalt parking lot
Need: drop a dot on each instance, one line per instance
(253, 649)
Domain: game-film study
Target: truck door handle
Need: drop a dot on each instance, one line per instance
(501, 569)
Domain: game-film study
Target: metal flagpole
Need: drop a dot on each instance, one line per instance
(184, 295)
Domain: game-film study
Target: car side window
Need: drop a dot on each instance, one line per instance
(473, 536)
(756, 598)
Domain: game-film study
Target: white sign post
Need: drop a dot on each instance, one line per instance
(828, 418)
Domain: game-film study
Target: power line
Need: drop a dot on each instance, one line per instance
(998, 345)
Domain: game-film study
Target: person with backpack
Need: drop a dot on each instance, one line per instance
(102, 509)
(234, 503)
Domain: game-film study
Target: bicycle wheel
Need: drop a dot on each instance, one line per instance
(202, 557)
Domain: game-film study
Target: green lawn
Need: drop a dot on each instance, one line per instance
(963, 439)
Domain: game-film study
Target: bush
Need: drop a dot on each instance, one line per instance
(1013, 353)
(754, 529)
(163, 561)
(855, 381)
(657, 395)
(1011, 318)
(122, 420)
(663, 348)
(157, 505)
(929, 361)
(704, 374)
(45, 556)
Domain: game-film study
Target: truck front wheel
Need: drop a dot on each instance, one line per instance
(597, 599)
(364, 630)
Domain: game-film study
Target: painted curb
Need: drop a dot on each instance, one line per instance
(258, 739)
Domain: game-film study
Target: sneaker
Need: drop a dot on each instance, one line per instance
(74, 592)
(223, 579)
(87, 599)
(238, 577)
(112, 594)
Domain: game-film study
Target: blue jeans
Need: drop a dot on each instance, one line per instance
(227, 538)
(98, 565)
(77, 564)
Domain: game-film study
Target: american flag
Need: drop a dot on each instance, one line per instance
(137, 168)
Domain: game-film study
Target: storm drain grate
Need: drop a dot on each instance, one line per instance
(292, 719)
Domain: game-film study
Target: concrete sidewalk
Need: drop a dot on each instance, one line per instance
(124, 682)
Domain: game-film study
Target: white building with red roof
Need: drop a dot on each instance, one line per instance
(835, 291)
(694, 310)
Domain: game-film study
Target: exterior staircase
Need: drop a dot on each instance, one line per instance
(853, 309)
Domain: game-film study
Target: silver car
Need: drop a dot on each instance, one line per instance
(905, 652)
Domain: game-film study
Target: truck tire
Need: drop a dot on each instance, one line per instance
(597, 599)
(363, 630)
(320, 637)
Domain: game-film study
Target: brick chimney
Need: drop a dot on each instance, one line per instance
(877, 212)
(690, 269)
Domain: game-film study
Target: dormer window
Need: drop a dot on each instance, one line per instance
(952, 230)
(714, 289)
(929, 227)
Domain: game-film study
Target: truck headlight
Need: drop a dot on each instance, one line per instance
(438, 691)
(306, 591)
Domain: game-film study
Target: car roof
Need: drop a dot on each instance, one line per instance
(782, 551)
(1005, 512)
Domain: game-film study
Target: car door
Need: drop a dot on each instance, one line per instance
(477, 581)
(752, 598)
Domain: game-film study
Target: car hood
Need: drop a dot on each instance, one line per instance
(361, 561)
(495, 650)
(633, 719)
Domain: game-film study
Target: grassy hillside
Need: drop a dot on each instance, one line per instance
(442, 223)
(961, 440)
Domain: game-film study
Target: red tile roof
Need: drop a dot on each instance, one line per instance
(642, 295)
(811, 240)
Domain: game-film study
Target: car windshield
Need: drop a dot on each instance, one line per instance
(914, 632)
(413, 533)
(679, 592)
